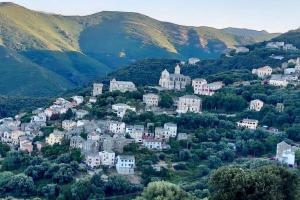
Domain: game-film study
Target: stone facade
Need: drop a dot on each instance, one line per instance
(256, 105)
(151, 100)
(97, 89)
(189, 103)
(174, 81)
(122, 86)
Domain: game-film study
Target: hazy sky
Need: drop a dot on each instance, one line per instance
(270, 15)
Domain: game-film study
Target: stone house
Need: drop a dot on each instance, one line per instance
(125, 164)
(97, 89)
(151, 100)
(189, 103)
(248, 123)
(256, 105)
(122, 86)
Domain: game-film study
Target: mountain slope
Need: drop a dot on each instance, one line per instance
(76, 50)
(292, 37)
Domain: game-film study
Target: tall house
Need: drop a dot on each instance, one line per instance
(97, 89)
(189, 103)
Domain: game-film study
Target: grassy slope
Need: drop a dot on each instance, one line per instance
(77, 50)
(20, 76)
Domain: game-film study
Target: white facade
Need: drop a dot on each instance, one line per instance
(136, 132)
(263, 71)
(193, 61)
(256, 105)
(174, 81)
(278, 81)
(93, 160)
(107, 158)
(201, 87)
(81, 114)
(248, 123)
(242, 50)
(68, 124)
(117, 127)
(125, 164)
(121, 109)
(78, 100)
(97, 89)
(55, 138)
(189, 103)
(285, 153)
(170, 129)
(122, 86)
(151, 99)
(152, 144)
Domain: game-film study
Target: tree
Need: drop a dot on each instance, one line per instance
(164, 190)
(15, 160)
(166, 101)
(50, 191)
(4, 148)
(118, 185)
(20, 186)
(81, 189)
(64, 175)
(266, 182)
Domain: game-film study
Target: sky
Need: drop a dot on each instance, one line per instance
(270, 15)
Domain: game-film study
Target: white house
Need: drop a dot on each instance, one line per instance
(201, 87)
(152, 143)
(189, 103)
(151, 99)
(256, 105)
(242, 50)
(117, 127)
(122, 86)
(289, 71)
(263, 71)
(55, 138)
(193, 61)
(97, 89)
(93, 136)
(78, 100)
(278, 80)
(121, 109)
(174, 81)
(76, 142)
(170, 129)
(39, 118)
(285, 153)
(107, 158)
(136, 132)
(93, 160)
(248, 123)
(125, 164)
(81, 113)
(68, 124)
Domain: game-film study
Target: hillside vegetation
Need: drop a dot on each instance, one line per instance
(62, 52)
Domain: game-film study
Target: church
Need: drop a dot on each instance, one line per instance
(174, 81)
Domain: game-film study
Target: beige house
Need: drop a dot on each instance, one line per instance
(122, 86)
(189, 103)
(248, 123)
(263, 71)
(278, 80)
(256, 105)
(55, 138)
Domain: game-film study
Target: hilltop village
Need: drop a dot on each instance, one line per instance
(157, 132)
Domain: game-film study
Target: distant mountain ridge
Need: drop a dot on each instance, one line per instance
(68, 51)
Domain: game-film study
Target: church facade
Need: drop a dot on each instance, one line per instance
(174, 81)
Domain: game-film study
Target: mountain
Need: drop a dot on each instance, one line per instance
(57, 53)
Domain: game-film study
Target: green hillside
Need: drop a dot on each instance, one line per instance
(64, 52)
(292, 37)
